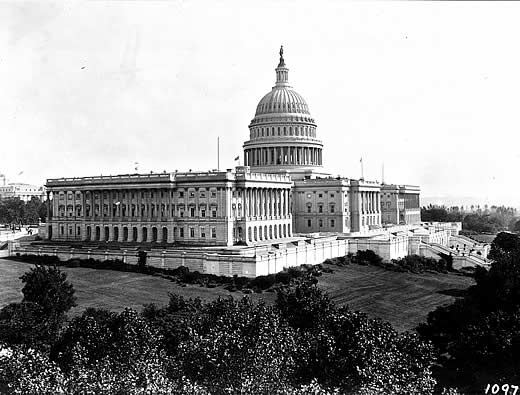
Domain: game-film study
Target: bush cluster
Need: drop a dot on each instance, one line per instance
(410, 263)
(182, 275)
(418, 264)
(365, 257)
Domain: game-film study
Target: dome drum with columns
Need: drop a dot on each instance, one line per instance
(283, 133)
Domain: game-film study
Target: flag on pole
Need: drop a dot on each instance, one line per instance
(237, 158)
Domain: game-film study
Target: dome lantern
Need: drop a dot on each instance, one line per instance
(282, 72)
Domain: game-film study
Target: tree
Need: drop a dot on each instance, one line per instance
(235, 342)
(141, 259)
(48, 287)
(29, 371)
(479, 333)
(106, 352)
(304, 305)
(26, 323)
(347, 350)
(503, 245)
(37, 320)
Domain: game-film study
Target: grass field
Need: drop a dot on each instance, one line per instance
(401, 298)
(404, 299)
(109, 289)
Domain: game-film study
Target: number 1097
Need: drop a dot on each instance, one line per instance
(505, 388)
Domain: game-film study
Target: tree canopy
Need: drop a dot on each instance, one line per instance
(479, 334)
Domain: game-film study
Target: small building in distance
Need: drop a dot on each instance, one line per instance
(25, 192)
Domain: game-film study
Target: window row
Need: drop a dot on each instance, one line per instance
(106, 233)
(332, 223)
(147, 194)
(332, 208)
(153, 210)
(307, 131)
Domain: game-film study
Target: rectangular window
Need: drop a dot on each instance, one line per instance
(78, 231)
(320, 209)
(70, 231)
(320, 223)
(214, 213)
(192, 194)
(203, 194)
(62, 230)
(181, 232)
(309, 223)
(309, 208)
(181, 194)
(192, 232)
(192, 211)
(213, 233)
(332, 208)
(202, 232)
(203, 213)
(320, 195)
(331, 195)
(181, 213)
(331, 223)
(213, 194)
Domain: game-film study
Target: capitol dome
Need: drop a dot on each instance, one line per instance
(282, 99)
(283, 132)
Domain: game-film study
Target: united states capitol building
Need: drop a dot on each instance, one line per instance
(281, 208)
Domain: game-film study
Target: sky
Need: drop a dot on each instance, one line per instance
(430, 89)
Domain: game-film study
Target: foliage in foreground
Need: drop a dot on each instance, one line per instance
(37, 319)
(479, 335)
(304, 344)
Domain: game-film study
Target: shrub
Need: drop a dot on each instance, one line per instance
(283, 278)
(368, 256)
(263, 282)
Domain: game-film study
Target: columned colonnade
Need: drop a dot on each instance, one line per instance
(370, 202)
(272, 156)
(266, 202)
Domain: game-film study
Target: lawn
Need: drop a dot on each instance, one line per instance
(109, 289)
(403, 299)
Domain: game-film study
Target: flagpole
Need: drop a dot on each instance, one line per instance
(218, 153)
(362, 175)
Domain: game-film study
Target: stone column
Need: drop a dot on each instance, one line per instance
(288, 204)
(271, 199)
(257, 202)
(252, 209)
(280, 203)
(245, 203)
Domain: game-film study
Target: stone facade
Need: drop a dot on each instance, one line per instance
(210, 208)
(400, 204)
